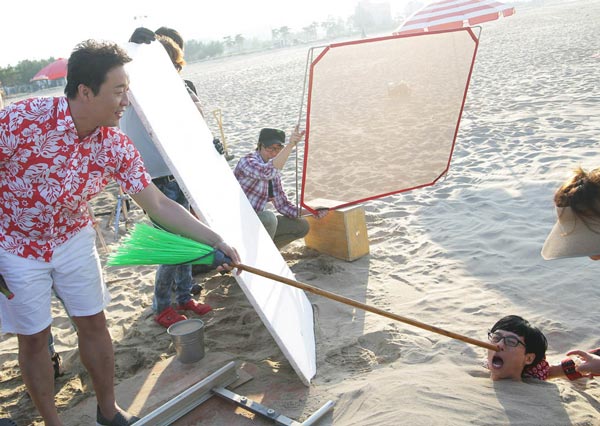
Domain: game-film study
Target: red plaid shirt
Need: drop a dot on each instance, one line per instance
(47, 174)
(254, 175)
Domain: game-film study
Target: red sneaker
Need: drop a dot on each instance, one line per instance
(192, 305)
(168, 317)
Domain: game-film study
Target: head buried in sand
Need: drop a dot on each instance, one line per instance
(576, 232)
(522, 346)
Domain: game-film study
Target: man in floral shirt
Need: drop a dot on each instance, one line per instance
(55, 155)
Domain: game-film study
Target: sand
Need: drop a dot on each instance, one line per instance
(458, 255)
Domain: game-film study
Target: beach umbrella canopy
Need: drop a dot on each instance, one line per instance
(52, 71)
(452, 14)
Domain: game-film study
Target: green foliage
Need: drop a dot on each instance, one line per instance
(23, 72)
(196, 50)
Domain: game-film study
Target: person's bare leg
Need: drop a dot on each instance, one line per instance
(96, 353)
(38, 374)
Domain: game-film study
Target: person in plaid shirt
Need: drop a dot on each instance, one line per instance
(259, 175)
(55, 155)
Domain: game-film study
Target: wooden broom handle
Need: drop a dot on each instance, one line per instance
(365, 307)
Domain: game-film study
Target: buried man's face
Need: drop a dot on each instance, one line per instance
(510, 361)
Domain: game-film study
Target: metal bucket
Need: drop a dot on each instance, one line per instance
(188, 338)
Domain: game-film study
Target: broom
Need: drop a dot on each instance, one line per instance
(147, 245)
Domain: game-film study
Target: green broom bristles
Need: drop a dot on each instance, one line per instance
(147, 245)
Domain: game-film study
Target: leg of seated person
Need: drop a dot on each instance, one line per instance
(269, 221)
(290, 229)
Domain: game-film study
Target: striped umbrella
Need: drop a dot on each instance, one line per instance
(452, 14)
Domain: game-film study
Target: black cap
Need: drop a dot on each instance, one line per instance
(270, 137)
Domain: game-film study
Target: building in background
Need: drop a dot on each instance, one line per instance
(372, 16)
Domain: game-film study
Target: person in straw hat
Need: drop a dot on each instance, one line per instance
(576, 233)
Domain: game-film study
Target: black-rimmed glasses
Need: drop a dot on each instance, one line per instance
(511, 341)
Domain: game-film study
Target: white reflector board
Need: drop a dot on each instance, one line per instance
(180, 133)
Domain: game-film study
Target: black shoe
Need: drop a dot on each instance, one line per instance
(122, 418)
(196, 289)
(57, 364)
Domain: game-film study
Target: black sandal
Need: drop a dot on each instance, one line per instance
(57, 364)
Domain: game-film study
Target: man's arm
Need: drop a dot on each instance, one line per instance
(586, 364)
(178, 220)
(279, 161)
(590, 362)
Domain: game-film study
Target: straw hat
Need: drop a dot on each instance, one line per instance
(572, 237)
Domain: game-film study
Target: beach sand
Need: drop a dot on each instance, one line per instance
(458, 255)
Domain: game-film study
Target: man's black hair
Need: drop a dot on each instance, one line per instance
(89, 63)
(535, 341)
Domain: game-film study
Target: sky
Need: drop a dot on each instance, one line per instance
(36, 29)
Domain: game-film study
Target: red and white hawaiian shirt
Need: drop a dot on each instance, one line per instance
(47, 174)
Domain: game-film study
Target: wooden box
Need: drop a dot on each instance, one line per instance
(342, 233)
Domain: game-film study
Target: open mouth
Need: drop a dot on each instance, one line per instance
(497, 362)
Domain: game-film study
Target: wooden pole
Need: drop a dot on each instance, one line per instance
(219, 118)
(97, 228)
(365, 307)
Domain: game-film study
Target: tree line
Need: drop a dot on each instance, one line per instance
(17, 79)
(22, 73)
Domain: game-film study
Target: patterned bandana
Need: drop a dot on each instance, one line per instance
(538, 371)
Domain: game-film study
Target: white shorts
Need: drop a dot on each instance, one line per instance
(75, 274)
